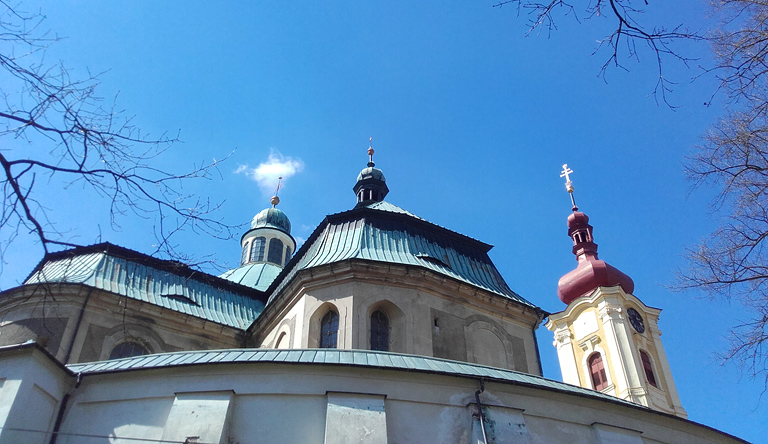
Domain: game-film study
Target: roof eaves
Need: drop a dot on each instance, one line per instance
(429, 365)
(179, 269)
(34, 345)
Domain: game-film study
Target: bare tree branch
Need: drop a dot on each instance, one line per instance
(628, 33)
(732, 263)
(59, 128)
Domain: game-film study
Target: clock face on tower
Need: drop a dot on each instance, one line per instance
(636, 320)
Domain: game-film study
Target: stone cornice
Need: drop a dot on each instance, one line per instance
(391, 275)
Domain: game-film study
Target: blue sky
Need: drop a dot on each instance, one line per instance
(471, 119)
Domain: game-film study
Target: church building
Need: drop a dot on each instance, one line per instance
(381, 328)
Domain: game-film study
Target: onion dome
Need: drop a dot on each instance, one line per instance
(272, 218)
(371, 185)
(269, 240)
(590, 272)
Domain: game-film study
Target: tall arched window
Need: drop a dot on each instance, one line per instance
(597, 371)
(287, 255)
(244, 257)
(257, 249)
(128, 350)
(329, 330)
(649, 376)
(379, 331)
(275, 251)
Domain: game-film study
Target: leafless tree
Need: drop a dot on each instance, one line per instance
(733, 261)
(627, 38)
(55, 129)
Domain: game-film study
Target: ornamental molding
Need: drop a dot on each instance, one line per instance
(589, 344)
(562, 337)
(608, 312)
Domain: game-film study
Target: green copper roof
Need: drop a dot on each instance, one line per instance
(386, 233)
(355, 358)
(272, 218)
(371, 173)
(258, 276)
(165, 283)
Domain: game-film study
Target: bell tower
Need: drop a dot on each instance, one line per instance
(607, 339)
(371, 186)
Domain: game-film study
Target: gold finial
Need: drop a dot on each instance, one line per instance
(568, 184)
(370, 153)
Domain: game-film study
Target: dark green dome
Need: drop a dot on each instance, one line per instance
(371, 186)
(272, 218)
(371, 173)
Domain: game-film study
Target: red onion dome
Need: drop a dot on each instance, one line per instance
(590, 272)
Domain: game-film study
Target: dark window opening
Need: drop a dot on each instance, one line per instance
(597, 372)
(128, 350)
(244, 256)
(379, 331)
(649, 376)
(329, 330)
(257, 249)
(287, 255)
(275, 251)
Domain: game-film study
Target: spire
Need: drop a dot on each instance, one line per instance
(371, 185)
(568, 184)
(370, 153)
(276, 200)
(590, 272)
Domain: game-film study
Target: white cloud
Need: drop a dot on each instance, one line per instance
(268, 173)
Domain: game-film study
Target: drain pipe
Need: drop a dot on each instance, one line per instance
(480, 410)
(62, 409)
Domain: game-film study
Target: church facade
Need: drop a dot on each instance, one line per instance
(382, 328)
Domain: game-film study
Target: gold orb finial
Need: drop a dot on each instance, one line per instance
(274, 201)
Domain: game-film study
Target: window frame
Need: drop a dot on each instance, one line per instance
(258, 247)
(650, 375)
(134, 344)
(329, 330)
(597, 373)
(275, 251)
(380, 329)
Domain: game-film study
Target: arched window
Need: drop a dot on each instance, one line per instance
(329, 330)
(287, 255)
(379, 331)
(597, 371)
(257, 249)
(128, 350)
(275, 251)
(649, 376)
(244, 257)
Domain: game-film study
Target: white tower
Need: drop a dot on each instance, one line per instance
(606, 338)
